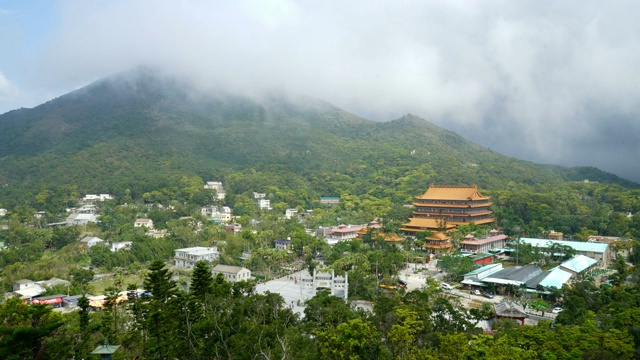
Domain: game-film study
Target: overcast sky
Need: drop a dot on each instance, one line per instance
(547, 81)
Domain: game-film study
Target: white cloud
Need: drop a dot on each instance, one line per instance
(531, 79)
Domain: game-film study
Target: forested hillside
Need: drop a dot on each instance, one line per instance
(138, 131)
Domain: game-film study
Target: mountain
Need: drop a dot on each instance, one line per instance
(141, 130)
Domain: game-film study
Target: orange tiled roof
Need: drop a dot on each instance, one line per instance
(439, 236)
(437, 246)
(428, 223)
(392, 237)
(444, 192)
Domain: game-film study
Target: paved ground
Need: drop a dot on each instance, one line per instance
(288, 288)
(415, 275)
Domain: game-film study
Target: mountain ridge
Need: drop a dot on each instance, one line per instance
(107, 129)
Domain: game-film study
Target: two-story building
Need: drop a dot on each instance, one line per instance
(232, 273)
(217, 186)
(282, 244)
(484, 244)
(289, 213)
(220, 214)
(188, 257)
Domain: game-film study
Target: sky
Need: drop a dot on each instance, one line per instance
(547, 81)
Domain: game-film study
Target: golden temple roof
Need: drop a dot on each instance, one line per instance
(447, 192)
(427, 223)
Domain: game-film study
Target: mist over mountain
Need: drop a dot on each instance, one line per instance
(140, 127)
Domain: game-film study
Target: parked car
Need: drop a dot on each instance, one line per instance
(446, 286)
(487, 294)
(476, 292)
(402, 283)
(556, 310)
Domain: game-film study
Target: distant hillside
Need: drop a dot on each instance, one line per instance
(140, 130)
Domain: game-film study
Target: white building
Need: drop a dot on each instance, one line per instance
(217, 186)
(217, 213)
(257, 195)
(264, 204)
(86, 209)
(232, 273)
(3, 212)
(289, 213)
(188, 257)
(148, 223)
(81, 219)
(121, 245)
(100, 197)
(90, 241)
(27, 289)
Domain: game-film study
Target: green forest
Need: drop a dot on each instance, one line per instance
(155, 143)
(218, 320)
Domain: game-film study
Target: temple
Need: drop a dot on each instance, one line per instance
(451, 205)
(442, 208)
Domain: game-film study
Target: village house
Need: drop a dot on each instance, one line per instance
(89, 198)
(289, 213)
(264, 204)
(3, 212)
(126, 245)
(232, 273)
(217, 186)
(90, 241)
(221, 214)
(81, 219)
(27, 289)
(329, 200)
(188, 257)
(148, 223)
(282, 244)
(233, 228)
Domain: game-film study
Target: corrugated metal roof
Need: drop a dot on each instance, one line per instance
(579, 246)
(485, 268)
(556, 278)
(579, 263)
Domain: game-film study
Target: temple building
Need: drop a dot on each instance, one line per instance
(438, 243)
(443, 206)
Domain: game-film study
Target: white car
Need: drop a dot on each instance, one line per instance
(556, 310)
(446, 286)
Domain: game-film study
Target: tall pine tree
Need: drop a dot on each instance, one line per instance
(201, 280)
